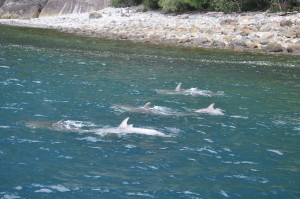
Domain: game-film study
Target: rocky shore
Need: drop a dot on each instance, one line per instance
(257, 32)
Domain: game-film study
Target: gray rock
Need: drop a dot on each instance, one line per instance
(60, 7)
(228, 22)
(294, 49)
(95, 15)
(2, 2)
(285, 22)
(217, 43)
(200, 40)
(22, 9)
(274, 47)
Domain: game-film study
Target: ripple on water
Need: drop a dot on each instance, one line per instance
(275, 151)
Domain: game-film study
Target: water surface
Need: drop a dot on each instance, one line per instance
(250, 152)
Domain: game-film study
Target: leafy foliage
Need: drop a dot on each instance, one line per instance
(213, 5)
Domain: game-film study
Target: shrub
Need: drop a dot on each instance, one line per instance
(125, 3)
(182, 5)
(151, 4)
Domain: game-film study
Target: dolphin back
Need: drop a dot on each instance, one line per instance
(178, 88)
(124, 123)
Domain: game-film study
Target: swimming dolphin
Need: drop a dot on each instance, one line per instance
(125, 128)
(210, 110)
(146, 109)
(122, 129)
(191, 91)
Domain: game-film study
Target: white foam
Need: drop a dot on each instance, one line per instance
(208, 140)
(239, 117)
(90, 139)
(191, 193)
(224, 193)
(44, 190)
(4, 127)
(71, 124)
(139, 194)
(275, 151)
(296, 129)
(18, 187)
(66, 157)
(130, 146)
(59, 188)
(4, 67)
(10, 196)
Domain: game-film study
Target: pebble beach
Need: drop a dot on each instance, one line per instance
(254, 31)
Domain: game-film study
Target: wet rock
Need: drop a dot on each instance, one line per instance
(274, 47)
(200, 40)
(294, 49)
(219, 44)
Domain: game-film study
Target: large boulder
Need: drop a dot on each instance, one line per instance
(2, 2)
(59, 7)
(274, 47)
(24, 9)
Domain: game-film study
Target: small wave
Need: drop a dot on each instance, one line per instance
(73, 124)
(59, 188)
(130, 146)
(18, 188)
(223, 193)
(239, 117)
(90, 139)
(5, 67)
(18, 140)
(10, 196)
(275, 151)
(191, 193)
(66, 157)
(4, 127)
(139, 194)
(208, 140)
(44, 190)
(296, 129)
(93, 177)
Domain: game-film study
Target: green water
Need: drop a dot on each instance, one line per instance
(250, 152)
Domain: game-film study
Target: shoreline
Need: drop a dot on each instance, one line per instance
(270, 33)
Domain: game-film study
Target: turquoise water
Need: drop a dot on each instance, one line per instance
(250, 152)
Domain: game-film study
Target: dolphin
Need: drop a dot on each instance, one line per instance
(210, 110)
(122, 129)
(191, 91)
(125, 128)
(146, 109)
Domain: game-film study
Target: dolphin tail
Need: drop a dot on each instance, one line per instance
(124, 123)
(147, 105)
(178, 88)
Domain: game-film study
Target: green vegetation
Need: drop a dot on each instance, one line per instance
(180, 6)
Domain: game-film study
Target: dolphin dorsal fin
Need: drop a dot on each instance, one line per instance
(178, 88)
(124, 123)
(211, 106)
(147, 105)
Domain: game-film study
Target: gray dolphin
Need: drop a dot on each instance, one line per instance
(210, 110)
(125, 128)
(122, 129)
(191, 91)
(146, 109)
